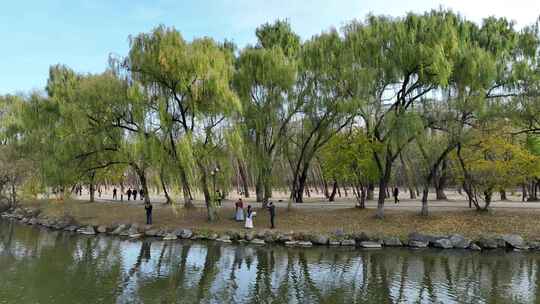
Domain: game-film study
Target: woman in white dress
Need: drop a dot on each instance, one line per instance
(249, 217)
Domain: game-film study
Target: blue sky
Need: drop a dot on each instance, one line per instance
(83, 33)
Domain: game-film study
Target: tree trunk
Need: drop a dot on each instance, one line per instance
(91, 186)
(382, 197)
(259, 189)
(334, 191)
(298, 188)
(370, 191)
(502, 192)
(412, 193)
(210, 204)
(441, 181)
(325, 186)
(425, 193)
(164, 187)
(361, 194)
(533, 192)
(439, 192)
(243, 177)
(144, 185)
(186, 191)
(487, 198)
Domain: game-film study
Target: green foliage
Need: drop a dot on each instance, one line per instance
(348, 157)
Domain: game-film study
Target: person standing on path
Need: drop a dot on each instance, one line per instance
(114, 195)
(129, 193)
(272, 209)
(141, 194)
(148, 209)
(396, 194)
(134, 193)
(239, 213)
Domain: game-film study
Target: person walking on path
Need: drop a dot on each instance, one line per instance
(129, 193)
(239, 213)
(396, 194)
(134, 193)
(114, 194)
(272, 209)
(141, 194)
(148, 209)
(249, 217)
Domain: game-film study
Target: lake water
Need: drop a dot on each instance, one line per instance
(43, 266)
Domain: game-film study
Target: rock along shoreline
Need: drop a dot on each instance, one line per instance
(32, 216)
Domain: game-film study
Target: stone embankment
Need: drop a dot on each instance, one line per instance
(34, 217)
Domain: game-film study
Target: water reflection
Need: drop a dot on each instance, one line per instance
(41, 266)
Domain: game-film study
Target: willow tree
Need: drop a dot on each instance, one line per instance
(395, 63)
(43, 131)
(348, 158)
(16, 168)
(326, 108)
(120, 123)
(264, 80)
(492, 162)
(189, 86)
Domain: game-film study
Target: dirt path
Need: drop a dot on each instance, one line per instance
(455, 202)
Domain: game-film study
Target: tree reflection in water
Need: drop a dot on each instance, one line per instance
(45, 266)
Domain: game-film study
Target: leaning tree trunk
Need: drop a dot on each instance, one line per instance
(186, 191)
(144, 185)
(332, 196)
(210, 204)
(487, 199)
(165, 192)
(243, 177)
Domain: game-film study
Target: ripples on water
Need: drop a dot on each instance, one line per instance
(42, 266)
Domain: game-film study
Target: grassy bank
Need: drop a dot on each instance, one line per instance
(325, 220)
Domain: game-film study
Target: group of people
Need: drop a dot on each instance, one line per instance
(130, 193)
(247, 217)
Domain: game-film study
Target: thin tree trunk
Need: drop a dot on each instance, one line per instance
(370, 191)
(91, 186)
(259, 189)
(334, 191)
(502, 192)
(243, 177)
(382, 197)
(425, 193)
(164, 187)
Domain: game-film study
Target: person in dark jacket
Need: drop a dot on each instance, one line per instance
(396, 194)
(272, 209)
(148, 209)
(141, 194)
(129, 193)
(114, 194)
(134, 193)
